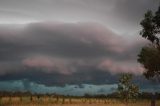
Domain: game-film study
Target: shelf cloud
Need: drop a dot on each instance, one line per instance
(65, 50)
(52, 43)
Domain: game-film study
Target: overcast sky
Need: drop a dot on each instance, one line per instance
(70, 46)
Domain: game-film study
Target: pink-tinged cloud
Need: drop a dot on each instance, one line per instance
(68, 49)
(115, 67)
(40, 62)
(48, 64)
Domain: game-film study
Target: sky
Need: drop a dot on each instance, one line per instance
(71, 46)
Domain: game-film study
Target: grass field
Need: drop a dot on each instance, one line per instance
(46, 101)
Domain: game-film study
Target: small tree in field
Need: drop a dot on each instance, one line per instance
(126, 89)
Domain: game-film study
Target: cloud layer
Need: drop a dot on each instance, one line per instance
(123, 16)
(66, 53)
(49, 43)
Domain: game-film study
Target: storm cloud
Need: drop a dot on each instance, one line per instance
(61, 53)
(84, 43)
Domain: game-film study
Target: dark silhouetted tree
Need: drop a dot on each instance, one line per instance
(149, 56)
(151, 27)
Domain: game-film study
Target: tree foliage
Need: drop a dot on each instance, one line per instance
(149, 56)
(126, 89)
(151, 27)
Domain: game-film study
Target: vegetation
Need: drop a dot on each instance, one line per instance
(24, 99)
(126, 89)
(149, 56)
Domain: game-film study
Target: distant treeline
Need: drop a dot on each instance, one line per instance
(142, 95)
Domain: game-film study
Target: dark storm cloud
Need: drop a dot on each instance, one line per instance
(59, 53)
(85, 76)
(73, 40)
(80, 40)
(86, 42)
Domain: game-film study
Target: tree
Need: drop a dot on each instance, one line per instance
(126, 89)
(151, 27)
(149, 56)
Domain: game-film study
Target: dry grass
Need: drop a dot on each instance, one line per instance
(45, 101)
